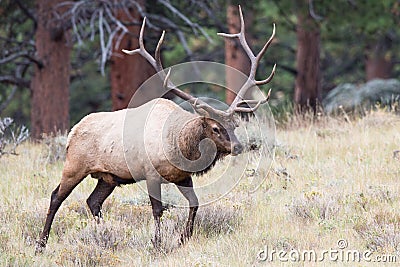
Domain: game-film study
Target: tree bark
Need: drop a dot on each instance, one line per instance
(128, 72)
(377, 64)
(308, 80)
(50, 83)
(235, 56)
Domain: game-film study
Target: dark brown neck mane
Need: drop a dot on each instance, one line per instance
(189, 139)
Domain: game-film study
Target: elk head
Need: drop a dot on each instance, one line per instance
(223, 136)
(220, 124)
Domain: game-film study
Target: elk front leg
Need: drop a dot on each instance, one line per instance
(154, 190)
(186, 188)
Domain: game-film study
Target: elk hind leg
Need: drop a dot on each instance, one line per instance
(96, 199)
(62, 191)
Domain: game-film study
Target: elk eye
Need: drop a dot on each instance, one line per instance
(215, 130)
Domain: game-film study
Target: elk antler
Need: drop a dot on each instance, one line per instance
(251, 81)
(200, 106)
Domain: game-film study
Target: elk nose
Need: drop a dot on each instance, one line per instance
(237, 149)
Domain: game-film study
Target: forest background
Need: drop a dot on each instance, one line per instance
(61, 60)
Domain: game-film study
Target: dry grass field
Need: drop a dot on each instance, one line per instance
(334, 179)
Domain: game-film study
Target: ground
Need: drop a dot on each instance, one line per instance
(333, 186)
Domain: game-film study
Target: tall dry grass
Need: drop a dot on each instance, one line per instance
(332, 178)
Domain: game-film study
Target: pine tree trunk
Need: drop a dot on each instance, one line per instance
(127, 72)
(235, 56)
(50, 83)
(377, 64)
(308, 80)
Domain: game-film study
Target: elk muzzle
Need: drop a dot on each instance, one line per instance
(237, 148)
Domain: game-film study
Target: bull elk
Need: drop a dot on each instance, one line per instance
(95, 145)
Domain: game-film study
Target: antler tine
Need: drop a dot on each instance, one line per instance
(157, 65)
(156, 62)
(243, 109)
(241, 35)
(165, 83)
(267, 80)
(267, 44)
(254, 60)
(142, 50)
(158, 50)
(249, 102)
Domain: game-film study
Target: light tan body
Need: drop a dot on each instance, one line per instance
(130, 144)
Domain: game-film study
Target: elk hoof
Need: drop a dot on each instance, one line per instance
(98, 218)
(156, 243)
(183, 239)
(40, 246)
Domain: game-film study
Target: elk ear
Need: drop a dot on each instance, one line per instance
(204, 122)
